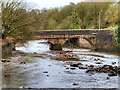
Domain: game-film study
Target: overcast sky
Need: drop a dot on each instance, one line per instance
(40, 4)
(51, 3)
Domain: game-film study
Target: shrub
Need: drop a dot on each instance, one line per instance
(117, 37)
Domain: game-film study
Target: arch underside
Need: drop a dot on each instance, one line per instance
(55, 42)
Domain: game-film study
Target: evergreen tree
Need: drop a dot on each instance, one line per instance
(75, 21)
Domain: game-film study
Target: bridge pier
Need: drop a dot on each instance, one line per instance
(56, 46)
(93, 48)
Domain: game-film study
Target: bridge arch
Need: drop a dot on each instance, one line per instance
(75, 42)
(57, 44)
(92, 42)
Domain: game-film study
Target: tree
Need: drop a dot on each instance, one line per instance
(111, 14)
(16, 21)
(66, 11)
(71, 3)
(75, 21)
(50, 24)
(65, 23)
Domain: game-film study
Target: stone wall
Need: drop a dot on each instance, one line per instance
(104, 41)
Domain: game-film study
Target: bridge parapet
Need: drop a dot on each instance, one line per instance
(71, 32)
(100, 38)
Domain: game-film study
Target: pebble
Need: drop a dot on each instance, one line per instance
(88, 71)
(82, 67)
(75, 84)
(91, 65)
(45, 72)
(29, 88)
(79, 63)
(113, 63)
(99, 63)
(35, 52)
(72, 68)
(107, 78)
(74, 65)
(67, 68)
(112, 74)
(119, 71)
(22, 62)
(105, 69)
(95, 60)
(4, 60)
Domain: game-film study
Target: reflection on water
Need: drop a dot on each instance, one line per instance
(35, 66)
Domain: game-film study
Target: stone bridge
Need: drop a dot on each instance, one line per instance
(97, 38)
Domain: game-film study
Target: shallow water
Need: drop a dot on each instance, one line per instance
(46, 69)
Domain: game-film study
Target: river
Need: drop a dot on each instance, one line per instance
(35, 66)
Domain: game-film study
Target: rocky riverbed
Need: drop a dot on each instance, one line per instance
(35, 66)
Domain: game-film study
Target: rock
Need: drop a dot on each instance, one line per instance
(110, 66)
(47, 75)
(82, 67)
(106, 71)
(98, 59)
(91, 65)
(22, 62)
(67, 68)
(5, 75)
(29, 88)
(95, 60)
(79, 63)
(115, 67)
(118, 70)
(74, 65)
(88, 71)
(8, 61)
(112, 74)
(35, 52)
(92, 69)
(75, 84)
(106, 67)
(45, 72)
(107, 78)
(5, 60)
(72, 68)
(113, 63)
(99, 63)
(102, 70)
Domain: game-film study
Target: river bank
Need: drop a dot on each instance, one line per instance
(35, 66)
